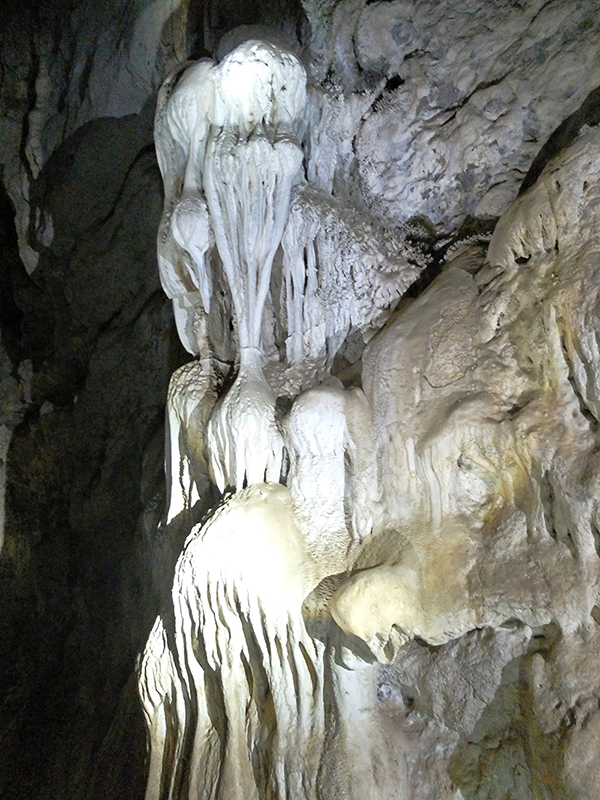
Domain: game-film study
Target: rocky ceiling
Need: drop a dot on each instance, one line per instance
(431, 114)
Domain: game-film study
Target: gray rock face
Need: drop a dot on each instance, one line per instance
(458, 133)
(63, 65)
(457, 116)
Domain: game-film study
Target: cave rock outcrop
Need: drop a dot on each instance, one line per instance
(381, 454)
(445, 503)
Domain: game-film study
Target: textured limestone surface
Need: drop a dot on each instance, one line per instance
(409, 607)
(65, 64)
(430, 555)
(461, 116)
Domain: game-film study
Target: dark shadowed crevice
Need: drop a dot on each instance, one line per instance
(11, 315)
(588, 113)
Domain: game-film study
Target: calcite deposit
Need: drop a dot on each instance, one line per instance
(446, 502)
(369, 564)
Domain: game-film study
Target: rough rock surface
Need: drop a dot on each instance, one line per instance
(483, 504)
(458, 115)
(477, 433)
(90, 346)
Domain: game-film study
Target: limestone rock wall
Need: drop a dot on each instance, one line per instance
(485, 496)
(90, 347)
(456, 115)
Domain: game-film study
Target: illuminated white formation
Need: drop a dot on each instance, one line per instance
(252, 159)
(342, 274)
(247, 699)
(228, 147)
(226, 137)
(439, 493)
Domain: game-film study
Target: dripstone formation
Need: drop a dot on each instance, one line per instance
(371, 566)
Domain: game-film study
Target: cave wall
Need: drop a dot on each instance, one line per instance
(90, 340)
(425, 111)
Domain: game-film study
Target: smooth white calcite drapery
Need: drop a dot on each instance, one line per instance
(235, 124)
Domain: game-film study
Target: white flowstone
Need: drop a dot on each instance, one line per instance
(192, 395)
(343, 273)
(252, 677)
(226, 138)
(439, 520)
